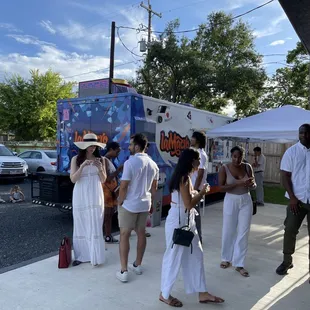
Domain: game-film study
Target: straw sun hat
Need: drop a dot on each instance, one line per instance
(88, 140)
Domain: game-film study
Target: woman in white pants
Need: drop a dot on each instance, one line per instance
(236, 179)
(184, 199)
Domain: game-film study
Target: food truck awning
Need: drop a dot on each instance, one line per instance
(298, 12)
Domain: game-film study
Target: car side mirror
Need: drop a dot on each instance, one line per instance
(14, 153)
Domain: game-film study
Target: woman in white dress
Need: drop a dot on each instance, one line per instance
(183, 201)
(88, 171)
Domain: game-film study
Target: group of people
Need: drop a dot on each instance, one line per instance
(188, 187)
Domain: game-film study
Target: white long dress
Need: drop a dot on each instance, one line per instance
(88, 215)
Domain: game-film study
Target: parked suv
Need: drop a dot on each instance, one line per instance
(11, 166)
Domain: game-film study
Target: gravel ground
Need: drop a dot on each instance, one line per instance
(30, 232)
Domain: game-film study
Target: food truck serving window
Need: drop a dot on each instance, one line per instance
(147, 128)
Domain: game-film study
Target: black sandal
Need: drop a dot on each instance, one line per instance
(76, 263)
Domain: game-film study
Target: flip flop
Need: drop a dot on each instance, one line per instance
(217, 300)
(243, 272)
(172, 301)
(224, 265)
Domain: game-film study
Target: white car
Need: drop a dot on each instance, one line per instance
(40, 160)
(11, 166)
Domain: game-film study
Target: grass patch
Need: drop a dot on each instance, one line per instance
(274, 193)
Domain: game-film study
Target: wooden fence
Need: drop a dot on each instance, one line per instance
(273, 153)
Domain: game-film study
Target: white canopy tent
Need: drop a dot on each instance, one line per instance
(277, 125)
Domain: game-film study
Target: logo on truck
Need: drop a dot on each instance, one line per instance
(173, 143)
(102, 138)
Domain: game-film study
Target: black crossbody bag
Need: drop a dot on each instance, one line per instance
(183, 235)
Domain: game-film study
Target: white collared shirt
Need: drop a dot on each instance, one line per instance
(261, 160)
(141, 171)
(204, 166)
(296, 160)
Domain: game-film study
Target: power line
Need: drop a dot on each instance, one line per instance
(99, 70)
(119, 37)
(269, 55)
(196, 29)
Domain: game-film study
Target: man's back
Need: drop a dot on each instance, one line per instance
(141, 171)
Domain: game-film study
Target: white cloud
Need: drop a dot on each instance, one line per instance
(277, 42)
(47, 24)
(236, 4)
(85, 38)
(9, 27)
(272, 29)
(279, 19)
(88, 41)
(70, 65)
(27, 39)
(230, 109)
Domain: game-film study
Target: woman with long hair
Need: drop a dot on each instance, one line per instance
(88, 171)
(236, 179)
(183, 201)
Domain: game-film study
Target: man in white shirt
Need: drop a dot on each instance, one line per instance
(259, 166)
(295, 171)
(199, 177)
(137, 189)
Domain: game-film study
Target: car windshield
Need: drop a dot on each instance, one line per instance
(5, 152)
(51, 154)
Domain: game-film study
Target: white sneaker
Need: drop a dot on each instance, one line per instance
(123, 277)
(137, 270)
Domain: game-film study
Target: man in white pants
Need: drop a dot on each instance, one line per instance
(137, 189)
(199, 177)
(259, 170)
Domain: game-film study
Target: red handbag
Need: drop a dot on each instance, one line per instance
(64, 259)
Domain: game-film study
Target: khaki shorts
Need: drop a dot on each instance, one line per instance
(130, 220)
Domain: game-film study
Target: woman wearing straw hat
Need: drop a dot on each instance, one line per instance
(88, 171)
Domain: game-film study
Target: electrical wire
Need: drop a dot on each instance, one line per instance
(120, 39)
(99, 70)
(196, 29)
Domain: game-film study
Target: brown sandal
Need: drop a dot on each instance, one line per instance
(243, 272)
(171, 301)
(225, 265)
(217, 300)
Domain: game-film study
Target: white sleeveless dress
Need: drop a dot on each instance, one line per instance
(88, 214)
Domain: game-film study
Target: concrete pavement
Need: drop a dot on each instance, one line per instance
(43, 286)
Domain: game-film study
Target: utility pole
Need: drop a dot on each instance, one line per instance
(112, 50)
(150, 12)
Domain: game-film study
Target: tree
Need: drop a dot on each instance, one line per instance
(217, 66)
(28, 107)
(290, 85)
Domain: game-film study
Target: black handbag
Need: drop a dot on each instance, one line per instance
(254, 203)
(183, 235)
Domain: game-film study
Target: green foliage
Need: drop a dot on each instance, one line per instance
(290, 85)
(28, 107)
(217, 66)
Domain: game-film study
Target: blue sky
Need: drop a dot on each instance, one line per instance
(73, 36)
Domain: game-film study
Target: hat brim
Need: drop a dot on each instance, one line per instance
(84, 145)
